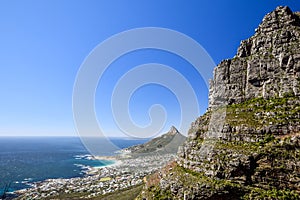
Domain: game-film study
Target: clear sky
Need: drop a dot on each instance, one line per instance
(43, 44)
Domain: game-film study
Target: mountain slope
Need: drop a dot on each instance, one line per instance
(247, 145)
(167, 143)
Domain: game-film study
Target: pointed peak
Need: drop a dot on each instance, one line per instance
(173, 130)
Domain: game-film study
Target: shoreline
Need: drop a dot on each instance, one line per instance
(88, 171)
(93, 170)
(120, 174)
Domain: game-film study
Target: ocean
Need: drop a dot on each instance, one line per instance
(29, 159)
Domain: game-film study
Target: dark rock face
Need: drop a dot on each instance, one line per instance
(254, 107)
(266, 65)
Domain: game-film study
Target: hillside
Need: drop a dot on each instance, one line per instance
(247, 145)
(166, 143)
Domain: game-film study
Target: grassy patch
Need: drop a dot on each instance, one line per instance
(259, 193)
(259, 112)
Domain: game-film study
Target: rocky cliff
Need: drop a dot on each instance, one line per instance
(247, 145)
(266, 65)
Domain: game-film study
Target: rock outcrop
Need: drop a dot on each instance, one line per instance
(247, 145)
(266, 65)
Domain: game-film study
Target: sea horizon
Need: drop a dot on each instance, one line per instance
(51, 136)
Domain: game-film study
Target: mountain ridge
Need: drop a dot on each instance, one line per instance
(166, 143)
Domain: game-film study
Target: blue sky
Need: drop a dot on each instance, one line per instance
(43, 44)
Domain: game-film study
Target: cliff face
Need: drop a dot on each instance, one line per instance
(266, 65)
(247, 145)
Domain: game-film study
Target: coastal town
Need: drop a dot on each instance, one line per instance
(124, 173)
(127, 169)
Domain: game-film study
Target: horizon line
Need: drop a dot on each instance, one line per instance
(64, 136)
